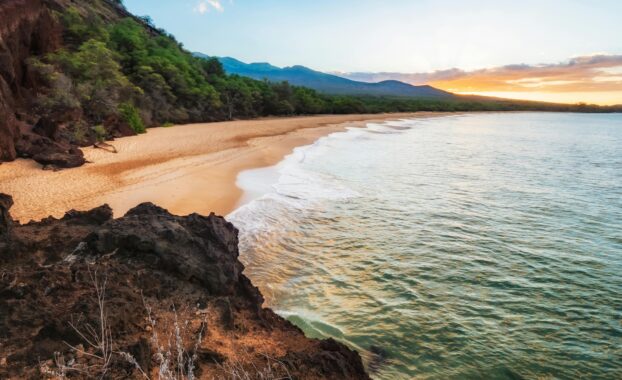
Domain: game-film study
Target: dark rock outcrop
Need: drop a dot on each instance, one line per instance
(118, 128)
(53, 126)
(71, 158)
(163, 276)
(8, 131)
(6, 223)
(47, 151)
(29, 28)
(197, 248)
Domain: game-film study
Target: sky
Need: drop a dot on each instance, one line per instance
(554, 50)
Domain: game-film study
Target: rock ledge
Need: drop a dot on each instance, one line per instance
(159, 274)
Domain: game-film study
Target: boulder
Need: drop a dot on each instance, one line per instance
(118, 128)
(202, 249)
(58, 125)
(71, 158)
(30, 144)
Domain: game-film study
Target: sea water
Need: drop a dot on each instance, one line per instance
(456, 247)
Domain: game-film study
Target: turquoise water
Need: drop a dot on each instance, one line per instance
(472, 246)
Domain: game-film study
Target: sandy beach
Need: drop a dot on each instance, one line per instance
(185, 168)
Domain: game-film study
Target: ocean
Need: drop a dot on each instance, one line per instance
(481, 245)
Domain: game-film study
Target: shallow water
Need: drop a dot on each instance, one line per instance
(472, 246)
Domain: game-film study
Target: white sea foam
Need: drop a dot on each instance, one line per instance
(290, 182)
(419, 242)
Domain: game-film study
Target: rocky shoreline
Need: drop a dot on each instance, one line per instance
(88, 295)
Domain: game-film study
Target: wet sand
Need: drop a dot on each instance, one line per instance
(185, 168)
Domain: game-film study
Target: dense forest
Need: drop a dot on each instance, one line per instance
(127, 71)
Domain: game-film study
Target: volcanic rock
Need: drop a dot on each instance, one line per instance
(161, 282)
(71, 158)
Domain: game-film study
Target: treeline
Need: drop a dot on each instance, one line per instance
(369, 104)
(125, 73)
(122, 72)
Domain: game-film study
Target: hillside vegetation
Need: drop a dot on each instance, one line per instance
(73, 73)
(123, 70)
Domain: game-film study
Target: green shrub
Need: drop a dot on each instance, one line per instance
(130, 115)
(100, 133)
(79, 28)
(78, 132)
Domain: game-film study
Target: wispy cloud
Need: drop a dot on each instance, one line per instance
(205, 6)
(600, 73)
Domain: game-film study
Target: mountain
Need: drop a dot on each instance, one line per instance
(328, 83)
(77, 73)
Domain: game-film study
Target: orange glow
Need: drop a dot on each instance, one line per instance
(602, 98)
(594, 79)
(585, 79)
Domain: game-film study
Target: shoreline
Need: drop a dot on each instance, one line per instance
(185, 169)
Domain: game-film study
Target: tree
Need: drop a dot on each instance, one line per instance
(58, 95)
(130, 115)
(237, 97)
(99, 83)
(213, 67)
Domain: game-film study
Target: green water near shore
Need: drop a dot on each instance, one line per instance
(473, 246)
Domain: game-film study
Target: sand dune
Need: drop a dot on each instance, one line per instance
(186, 168)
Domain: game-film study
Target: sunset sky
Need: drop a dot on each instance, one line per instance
(563, 51)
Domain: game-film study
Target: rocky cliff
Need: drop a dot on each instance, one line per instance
(28, 28)
(31, 28)
(88, 295)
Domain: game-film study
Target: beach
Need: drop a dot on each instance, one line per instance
(185, 168)
(473, 238)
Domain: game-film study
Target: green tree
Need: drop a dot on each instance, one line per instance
(79, 28)
(130, 115)
(213, 67)
(58, 95)
(99, 83)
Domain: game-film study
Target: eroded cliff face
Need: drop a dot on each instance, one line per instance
(27, 28)
(32, 29)
(169, 284)
(8, 131)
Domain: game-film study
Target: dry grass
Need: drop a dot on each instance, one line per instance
(176, 345)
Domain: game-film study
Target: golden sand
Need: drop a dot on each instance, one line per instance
(185, 169)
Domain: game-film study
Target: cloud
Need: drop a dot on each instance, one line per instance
(205, 6)
(599, 73)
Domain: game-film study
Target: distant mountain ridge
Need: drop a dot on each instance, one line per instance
(327, 83)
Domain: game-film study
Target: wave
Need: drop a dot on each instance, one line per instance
(294, 184)
(447, 247)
